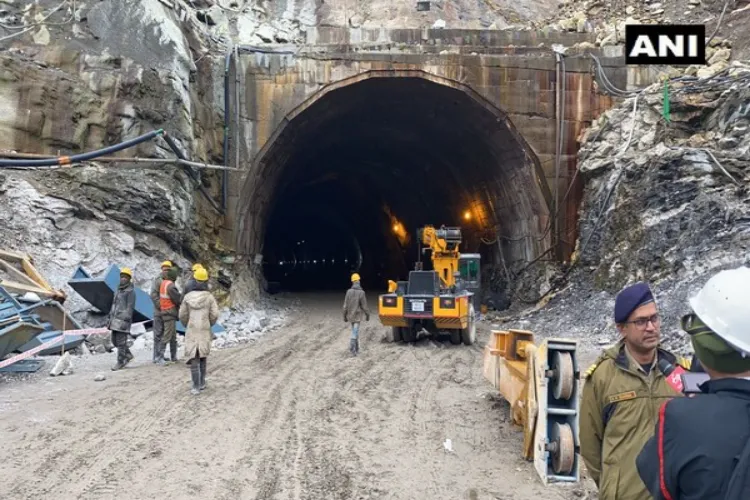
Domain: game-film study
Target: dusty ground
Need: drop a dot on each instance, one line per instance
(291, 416)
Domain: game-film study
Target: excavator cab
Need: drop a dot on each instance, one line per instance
(469, 271)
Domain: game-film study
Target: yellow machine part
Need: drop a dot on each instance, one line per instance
(391, 311)
(512, 364)
(450, 312)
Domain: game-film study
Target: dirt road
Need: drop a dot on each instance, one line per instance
(292, 416)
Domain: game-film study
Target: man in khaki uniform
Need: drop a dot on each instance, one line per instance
(622, 394)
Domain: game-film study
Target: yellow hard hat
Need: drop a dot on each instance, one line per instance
(355, 277)
(127, 270)
(200, 274)
(167, 263)
(392, 286)
(197, 266)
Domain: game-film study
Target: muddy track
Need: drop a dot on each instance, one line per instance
(291, 416)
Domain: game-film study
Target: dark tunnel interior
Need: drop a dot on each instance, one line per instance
(364, 166)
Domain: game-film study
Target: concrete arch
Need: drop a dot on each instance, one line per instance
(267, 168)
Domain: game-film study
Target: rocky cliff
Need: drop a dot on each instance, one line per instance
(665, 202)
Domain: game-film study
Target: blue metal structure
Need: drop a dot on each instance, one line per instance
(100, 293)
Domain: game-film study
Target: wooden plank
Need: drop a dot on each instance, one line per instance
(12, 256)
(18, 274)
(35, 275)
(21, 288)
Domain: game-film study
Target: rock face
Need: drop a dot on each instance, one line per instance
(664, 211)
(60, 236)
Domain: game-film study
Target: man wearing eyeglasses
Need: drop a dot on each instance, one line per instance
(622, 394)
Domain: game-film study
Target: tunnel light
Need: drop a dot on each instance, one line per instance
(281, 262)
(467, 215)
(315, 261)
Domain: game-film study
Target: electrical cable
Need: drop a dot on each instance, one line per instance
(718, 24)
(67, 160)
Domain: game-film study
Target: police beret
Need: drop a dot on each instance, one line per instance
(631, 298)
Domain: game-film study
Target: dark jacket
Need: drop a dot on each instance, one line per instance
(355, 304)
(619, 407)
(121, 314)
(155, 295)
(190, 286)
(697, 442)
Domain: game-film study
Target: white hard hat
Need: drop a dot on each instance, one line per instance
(723, 304)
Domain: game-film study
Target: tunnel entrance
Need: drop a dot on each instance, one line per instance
(349, 177)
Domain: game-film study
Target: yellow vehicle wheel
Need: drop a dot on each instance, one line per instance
(455, 337)
(396, 333)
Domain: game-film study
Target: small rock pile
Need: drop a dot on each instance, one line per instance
(672, 209)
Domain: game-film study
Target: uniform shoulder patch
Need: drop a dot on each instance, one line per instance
(591, 369)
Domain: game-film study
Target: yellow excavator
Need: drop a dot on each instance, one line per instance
(437, 300)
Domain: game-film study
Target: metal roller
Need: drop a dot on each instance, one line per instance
(562, 448)
(563, 377)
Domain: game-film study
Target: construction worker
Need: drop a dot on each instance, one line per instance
(169, 304)
(699, 442)
(621, 397)
(355, 306)
(190, 286)
(121, 317)
(158, 327)
(199, 312)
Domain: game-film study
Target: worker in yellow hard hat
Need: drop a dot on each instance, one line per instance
(121, 317)
(355, 308)
(198, 312)
(190, 286)
(158, 324)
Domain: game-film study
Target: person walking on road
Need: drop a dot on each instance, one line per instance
(158, 326)
(199, 312)
(121, 317)
(355, 308)
(169, 303)
(622, 394)
(701, 444)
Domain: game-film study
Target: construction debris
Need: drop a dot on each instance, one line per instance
(28, 322)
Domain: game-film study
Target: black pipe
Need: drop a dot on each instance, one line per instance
(173, 146)
(67, 160)
(224, 178)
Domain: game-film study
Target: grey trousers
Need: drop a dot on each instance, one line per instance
(158, 333)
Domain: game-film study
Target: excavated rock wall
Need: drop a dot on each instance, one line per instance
(674, 206)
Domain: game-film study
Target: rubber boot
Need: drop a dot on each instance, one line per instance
(356, 347)
(160, 355)
(203, 374)
(353, 346)
(196, 375)
(173, 350)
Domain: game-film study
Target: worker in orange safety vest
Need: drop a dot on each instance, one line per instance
(169, 303)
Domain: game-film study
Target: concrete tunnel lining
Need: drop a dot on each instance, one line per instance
(453, 149)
